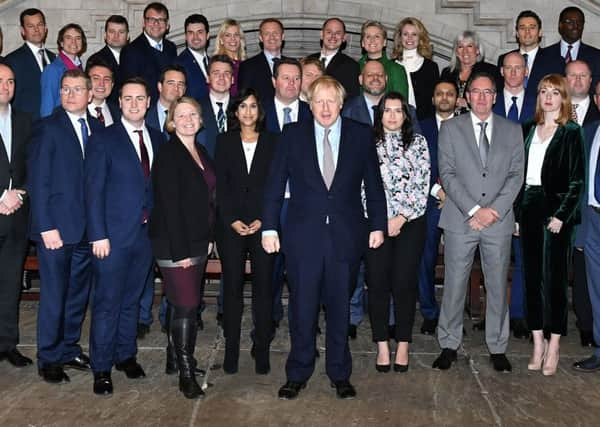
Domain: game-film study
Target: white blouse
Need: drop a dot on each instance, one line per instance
(535, 160)
(249, 150)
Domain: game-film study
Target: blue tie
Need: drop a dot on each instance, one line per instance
(220, 118)
(513, 111)
(159, 46)
(287, 118)
(526, 57)
(84, 132)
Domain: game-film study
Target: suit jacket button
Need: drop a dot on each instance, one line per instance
(484, 175)
(482, 194)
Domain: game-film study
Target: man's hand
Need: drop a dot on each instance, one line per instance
(486, 216)
(52, 239)
(270, 244)
(254, 226)
(555, 225)
(239, 227)
(4, 210)
(375, 239)
(101, 248)
(395, 225)
(13, 199)
(441, 195)
(475, 225)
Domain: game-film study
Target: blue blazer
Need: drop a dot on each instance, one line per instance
(311, 202)
(50, 86)
(197, 87)
(28, 76)
(357, 110)
(429, 130)
(139, 58)
(116, 190)
(527, 109)
(209, 131)
(581, 230)
(271, 119)
(553, 62)
(55, 177)
(538, 70)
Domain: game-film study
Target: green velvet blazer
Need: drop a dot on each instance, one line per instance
(563, 172)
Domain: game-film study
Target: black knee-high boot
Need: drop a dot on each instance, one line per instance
(171, 365)
(184, 329)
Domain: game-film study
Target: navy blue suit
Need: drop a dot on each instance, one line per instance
(427, 302)
(197, 87)
(256, 73)
(553, 62)
(28, 79)
(153, 122)
(272, 121)
(209, 131)
(55, 179)
(538, 70)
(324, 236)
(118, 201)
(527, 109)
(357, 110)
(139, 58)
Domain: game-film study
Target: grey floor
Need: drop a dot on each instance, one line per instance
(470, 394)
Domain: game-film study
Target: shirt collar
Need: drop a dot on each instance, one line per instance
(153, 42)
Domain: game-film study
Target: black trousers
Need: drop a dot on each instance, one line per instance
(12, 256)
(581, 296)
(545, 266)
(394, 268)
(234, 249)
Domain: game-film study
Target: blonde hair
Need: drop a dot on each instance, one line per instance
(327, 82)
(424, 47)
(220, 47)
(169, 121)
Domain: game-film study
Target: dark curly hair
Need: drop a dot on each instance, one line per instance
(407, 126)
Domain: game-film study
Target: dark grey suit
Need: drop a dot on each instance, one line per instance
(468, 184)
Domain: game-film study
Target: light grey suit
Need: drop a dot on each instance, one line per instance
(468, 184)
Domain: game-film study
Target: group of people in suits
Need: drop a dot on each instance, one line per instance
(203, 149)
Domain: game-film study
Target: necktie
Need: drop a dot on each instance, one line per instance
(513, 111)
(597, 180)
(568, 57)
(328, 165)
(324, 62)
(484, 144)
(84, 132)
(574, 113)
(375, 108)
(287, 117)
(158, 46)
(526, 58)
(145, 160)
(99, 114)
(205, 61)
(274, 61)
(42, 53)
(220, 118)
(164, 127)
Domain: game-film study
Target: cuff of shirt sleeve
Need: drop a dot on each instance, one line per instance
(267, 233)
(434, 190)
(3, 194)
(474, 209)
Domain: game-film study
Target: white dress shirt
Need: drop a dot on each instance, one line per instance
(116, 53)
(199, 57)
(477, 130)
(327, 58)
(508, 101)
(279, 106)
(530, 57)
(77, 126)
(108, 118)
(249, 150)
(135, 139)
(581, 110)
(35, 50)
(535, 159)
(215, 107)
(436, 187)
(564, 48)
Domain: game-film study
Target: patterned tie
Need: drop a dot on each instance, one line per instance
(568, 57)
(220, 118)
(526, 58)
(484, 144)
(328, 165)
(205, 61)
(84, 132)
(42, 53)
(574, 112)
(287, 117)
(99, 115)
(513, 111)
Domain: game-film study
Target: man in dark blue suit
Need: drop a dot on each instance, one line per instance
(118, 204)
(326, 232)
(102, 79)
(445, 94)
(116, 36)
(194, 57)
(150, 52)
(256, 72)
(29, 61)
(58, 226)
(171, 86)
(588, 238)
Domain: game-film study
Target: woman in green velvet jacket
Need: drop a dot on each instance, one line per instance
(547, 211)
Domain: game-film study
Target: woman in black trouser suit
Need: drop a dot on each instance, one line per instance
(393, 267)
(181, 229)
(547, 211)
(243, 156)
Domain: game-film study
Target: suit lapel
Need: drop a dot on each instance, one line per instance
(66, 123)
(130, 150)
(469, 136)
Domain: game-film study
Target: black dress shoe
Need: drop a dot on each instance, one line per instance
(400, 368)
(290, 390)
(81, 363)
(479, 326)
(53, 374)
(200, 321)
(220, 319)
(383, 368)
(142, 330)
(352, 331)
(344, 389)
(275, 324)
(131, 368)
(445, 359)
(102, 383)
(587, 338)
(500, 362)
(519, 328)
(428, 326)
(591, 364)
(15, 358)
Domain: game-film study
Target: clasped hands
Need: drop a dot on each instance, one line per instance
(12, 201)
(246, 230)
(483, 218)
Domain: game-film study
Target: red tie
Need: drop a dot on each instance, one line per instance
(568, 57)
(99, 114)
(145, 167)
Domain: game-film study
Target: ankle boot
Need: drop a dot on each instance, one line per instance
(171, 365)
(262, 366)
(184, 338)
(232, 355)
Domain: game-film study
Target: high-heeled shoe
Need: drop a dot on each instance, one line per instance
(400, 368)
(550, 366)
(382, 368)
(537, 365)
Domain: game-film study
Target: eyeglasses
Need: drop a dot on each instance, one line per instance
(154, 21)
(77, 90)
(484, 92)
(580, 76)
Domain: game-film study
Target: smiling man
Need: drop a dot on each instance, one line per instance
(325, 232)
(101, 76)
(194, 57)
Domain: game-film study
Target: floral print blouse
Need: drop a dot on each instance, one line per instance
(405, 175)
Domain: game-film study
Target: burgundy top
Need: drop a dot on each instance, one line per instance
(236, 69)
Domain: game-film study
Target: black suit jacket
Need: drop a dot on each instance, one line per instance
(239, 192)
(345, 70)
(138, 58)
(28, 76)
(553, 62)
(180, 223)
(256, 73)
(15, 169)
(537, 71)
(105, 56)
(591, 115)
